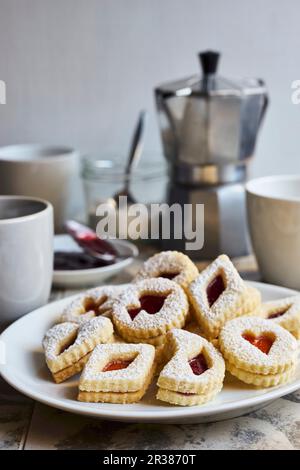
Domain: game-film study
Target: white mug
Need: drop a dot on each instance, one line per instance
(273, 205)
(26, 255)
(47, 172)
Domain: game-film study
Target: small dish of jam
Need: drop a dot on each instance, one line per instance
(74, 268)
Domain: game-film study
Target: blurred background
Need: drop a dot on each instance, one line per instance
(78, 71)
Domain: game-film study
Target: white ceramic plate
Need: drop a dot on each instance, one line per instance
(25, 370)
(90, 277)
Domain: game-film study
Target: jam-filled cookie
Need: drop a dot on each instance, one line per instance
(258, 352)
(148, 309)
(117, 373)
(195, 372)
(172, 265)
(284, 312)
(68, 345)
(89, 304)
(219, 294)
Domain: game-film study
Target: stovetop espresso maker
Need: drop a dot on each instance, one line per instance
(209, 126)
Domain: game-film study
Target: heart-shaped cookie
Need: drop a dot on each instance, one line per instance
(284, 312)
(258, 351)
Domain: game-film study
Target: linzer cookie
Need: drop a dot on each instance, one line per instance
(284, 312)
(172, 265)
(195, 372)
(148, 309)
(89, 304)
(219, 294)
(68, 345)
(258, 352)
(117, 373)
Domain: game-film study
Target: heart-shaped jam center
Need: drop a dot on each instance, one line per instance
(150, 303)
(198, 364)
(262, 342)
(277, 314)
(167, 275)
(215, 289)
(116, 365)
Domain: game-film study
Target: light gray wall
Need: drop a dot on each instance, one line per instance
(78, 71)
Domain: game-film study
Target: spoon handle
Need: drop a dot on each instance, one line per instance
(88, 240)
(137, 142)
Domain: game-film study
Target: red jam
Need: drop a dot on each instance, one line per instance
(150, 303)
(198, 364)
(278, 314)
(262, 342)
(116, 365)
(168, 275)
(215, 289)
(75, 260)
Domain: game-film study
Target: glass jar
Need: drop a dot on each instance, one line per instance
(104, 178)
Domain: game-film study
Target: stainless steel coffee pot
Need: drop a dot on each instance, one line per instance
(209, 125)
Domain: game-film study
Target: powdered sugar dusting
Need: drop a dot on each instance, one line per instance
(56, 337)
(142, 355)
(103, 296)
(290, 306)
(283, 349)
(234, 287)
(61, 333)
(169, 262)
(175, 304)
(187, 346)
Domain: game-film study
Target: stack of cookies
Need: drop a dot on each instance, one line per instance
(178, 324)
(258, 351)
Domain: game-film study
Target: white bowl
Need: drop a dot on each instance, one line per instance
(90, 277)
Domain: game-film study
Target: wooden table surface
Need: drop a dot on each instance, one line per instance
(25, 424)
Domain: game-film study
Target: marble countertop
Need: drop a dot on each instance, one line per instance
(25, 424)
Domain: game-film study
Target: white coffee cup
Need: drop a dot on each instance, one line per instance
(47, 172)
(26, 255)
(273, 205)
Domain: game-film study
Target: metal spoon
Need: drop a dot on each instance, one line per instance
(136, 149)
(88, 240)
